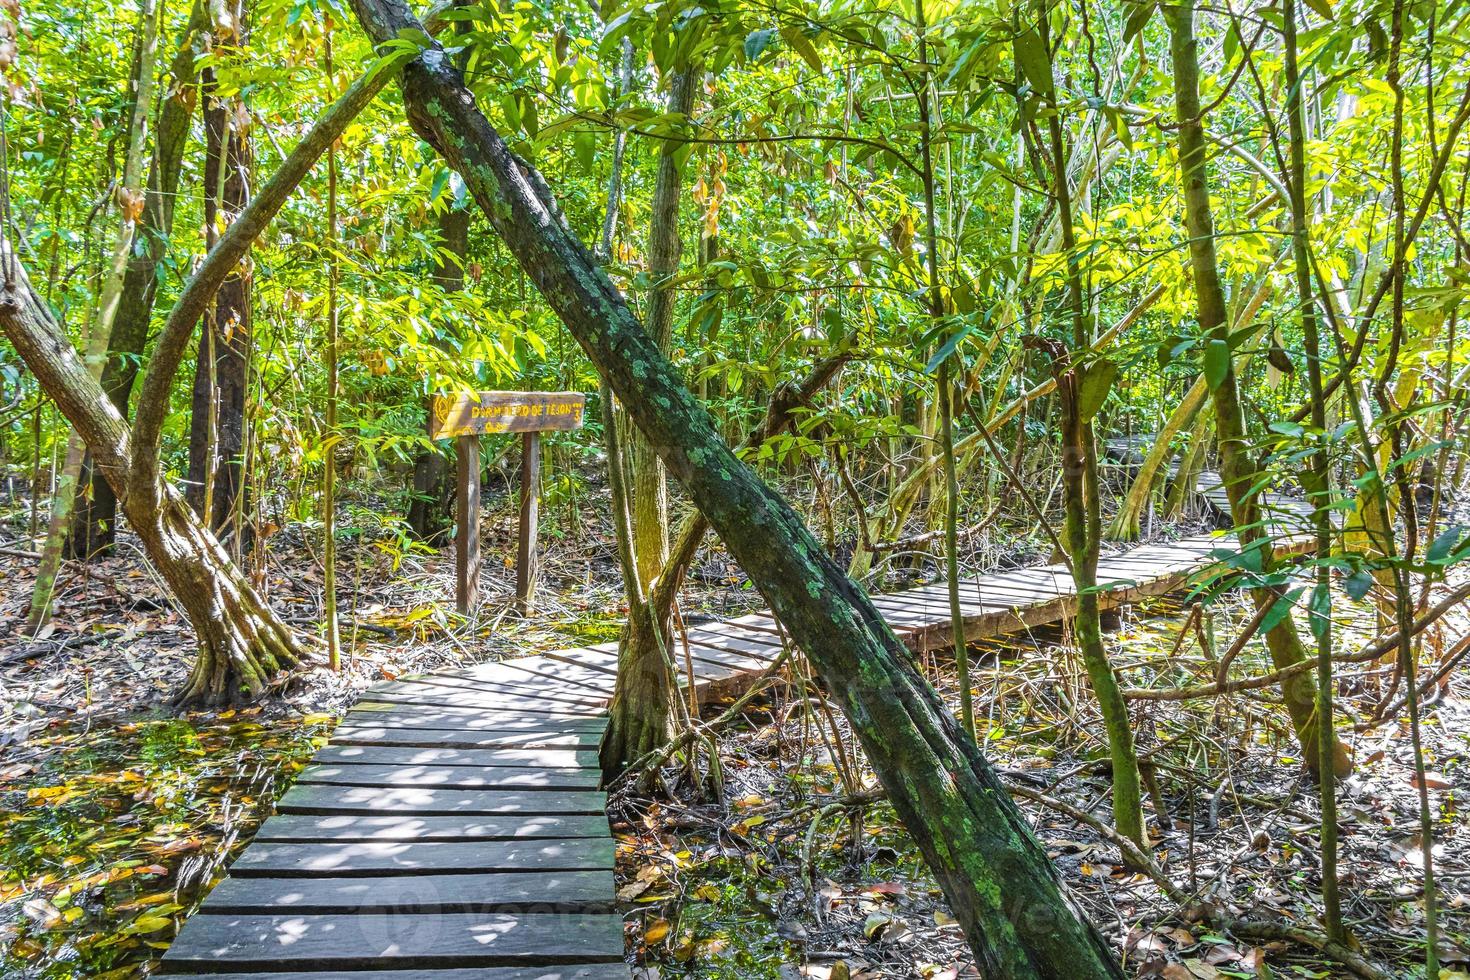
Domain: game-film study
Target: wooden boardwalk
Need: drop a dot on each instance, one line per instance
(454, 829)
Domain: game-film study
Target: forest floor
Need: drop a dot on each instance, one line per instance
(117, 813)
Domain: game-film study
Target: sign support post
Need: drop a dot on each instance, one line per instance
(467, 525)
(527, 560)
(466, 417)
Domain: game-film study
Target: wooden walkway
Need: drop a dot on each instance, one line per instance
(454, 829)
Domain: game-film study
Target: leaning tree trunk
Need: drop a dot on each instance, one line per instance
(242, 643)
(1002, 889)
(94, 526)
(222, 370)
(1238, 471)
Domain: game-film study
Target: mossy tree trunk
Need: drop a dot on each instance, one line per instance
(1001, 887)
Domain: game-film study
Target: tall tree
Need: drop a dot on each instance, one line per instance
(641, 704)
(1238, 469)
(128, 196)
(222, 368)
(242, 642)
(1003, 890)
(95, 525)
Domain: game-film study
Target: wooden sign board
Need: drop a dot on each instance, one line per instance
(491, 412)
(466, 417)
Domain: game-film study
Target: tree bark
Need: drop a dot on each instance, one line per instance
(94, 527)
(242, 643)
(1238, 472)
(221, 376)
(1002, 889)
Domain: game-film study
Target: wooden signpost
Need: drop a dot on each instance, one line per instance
(466, 417)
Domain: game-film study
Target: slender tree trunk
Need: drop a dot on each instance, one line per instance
(1316, 477)
(430, 512)
(1083, 525)
(221, 377)
(1001, 887)
(95, 524)
(643, 700)
(129, 199)
(1238, 471)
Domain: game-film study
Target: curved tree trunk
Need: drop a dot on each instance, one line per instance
(1002, 889)
(1127, 524)
(242, 642)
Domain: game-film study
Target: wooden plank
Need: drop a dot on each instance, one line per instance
(707, 671)
(415, 827)
(448, 756)
(598, 971)
(472, 718)
(281, 860)
(528, 562)
(453, 738)
(437, 801)
(578, 700)
(593, 657)
(467, 524)
(720, 656)
(761, 622)
(513, 891)
(404, 692)
(457, 777)
(468, 939)
(762, 645)
(501, 697)
(490, 412)
(521, 668)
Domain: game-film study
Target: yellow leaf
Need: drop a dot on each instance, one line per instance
(658, 930)
(146, 923)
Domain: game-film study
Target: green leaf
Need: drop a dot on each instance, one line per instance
(1138, 17)
(584, 145)
(803, 46)
(1320, 607)
(1358, 584)
(1217, 363)
(1322, 8)
(1443, 546)
(947, 348)
(1095, 380)
(1034, 61)
(1279, 610)
(758, 41)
